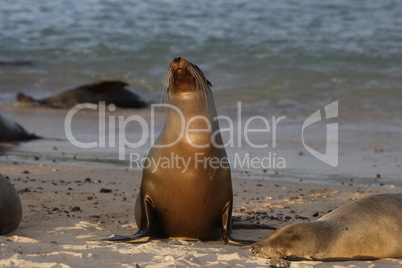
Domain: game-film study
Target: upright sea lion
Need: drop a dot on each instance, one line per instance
(370, 228)
(11, 131)
(186, 197)
(10, 206)
(111, 92)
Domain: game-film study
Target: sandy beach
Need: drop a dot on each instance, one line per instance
(73, 197)
(68, 209)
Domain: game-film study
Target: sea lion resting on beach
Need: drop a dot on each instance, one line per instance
(370, 228)
(10, 207)
(192, 201)
(11, 131)
(110, 92)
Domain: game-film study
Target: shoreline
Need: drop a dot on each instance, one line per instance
(66, 212)
(318, 177)
(358, 155)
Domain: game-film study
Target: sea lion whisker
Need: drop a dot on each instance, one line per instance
(166, 85)
(200, 82)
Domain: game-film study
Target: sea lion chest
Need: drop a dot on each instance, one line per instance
(187, 177)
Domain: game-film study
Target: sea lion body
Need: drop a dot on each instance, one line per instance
(192, 201)
(10, 207)
(11, 131)
(370, 228)
(110, 92)
(188, 201)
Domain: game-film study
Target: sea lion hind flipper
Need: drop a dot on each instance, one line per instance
(146, 223)
(227, 229)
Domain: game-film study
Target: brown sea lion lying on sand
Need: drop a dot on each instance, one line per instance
(370, 228)
(11, 131)
(110, 92)
(10, 206)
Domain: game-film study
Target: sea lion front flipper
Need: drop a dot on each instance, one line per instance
(144, 233)
(227, 229)
(135, 238)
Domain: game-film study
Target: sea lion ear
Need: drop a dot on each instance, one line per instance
(209, 83)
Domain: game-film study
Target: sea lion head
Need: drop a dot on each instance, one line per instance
(184, 76)
(281, 244)
(298, 241)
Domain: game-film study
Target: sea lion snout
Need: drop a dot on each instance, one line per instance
(178, 64)
(181, 76)
(264, 250)
(178, 72)
(182, 79)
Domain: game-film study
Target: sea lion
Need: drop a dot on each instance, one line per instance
(110, 92)
(370, 228)
(10, 207)
(11, 131)
(15, 63)
(189, 198)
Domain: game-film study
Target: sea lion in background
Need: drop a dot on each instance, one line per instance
(11, 131)
(187, 200)
(15, 63)
(10, 207)
(111, 92)
(370, 228)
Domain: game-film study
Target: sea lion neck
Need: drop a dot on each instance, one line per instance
(192, 104)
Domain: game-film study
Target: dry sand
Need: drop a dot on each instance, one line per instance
(67, 209)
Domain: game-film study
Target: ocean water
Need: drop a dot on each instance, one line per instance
(276, 57)
(285, 52)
